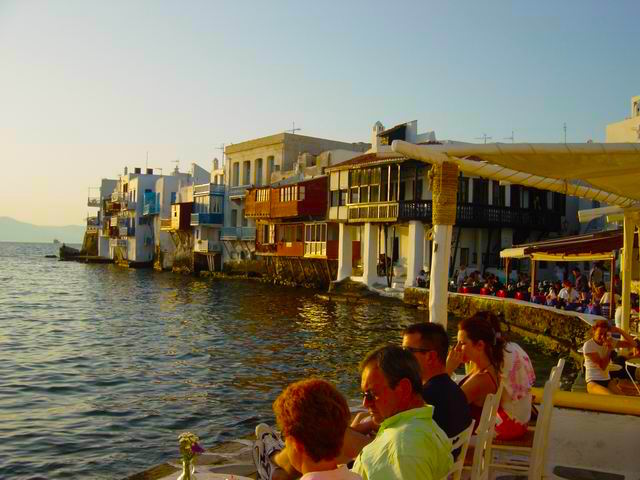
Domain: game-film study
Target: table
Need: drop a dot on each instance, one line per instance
(632, 362)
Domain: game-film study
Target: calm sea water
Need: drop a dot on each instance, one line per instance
(101, 367)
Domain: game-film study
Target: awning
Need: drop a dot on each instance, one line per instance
(608, 172)
(577, 248)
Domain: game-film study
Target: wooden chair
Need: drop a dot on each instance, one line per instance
(534, 444)
(460, 441)
(478, 458)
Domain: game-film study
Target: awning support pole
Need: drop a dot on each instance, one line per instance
(533, 279)
(612, 293)
(629, 231)
(444, 187)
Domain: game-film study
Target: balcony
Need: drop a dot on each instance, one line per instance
(127, 231)
(150, 209)
(111, 206)
(93, 222)
(208, 189)
(238, 192)
(373, 212)
(128, 205)
(238, 233)
(207, 246)
(93, 202)
(206, 219)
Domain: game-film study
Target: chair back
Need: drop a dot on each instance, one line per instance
(556, 373)
(541, 435)
(484, 436)
(461, 442)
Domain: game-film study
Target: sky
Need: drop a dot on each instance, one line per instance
(89, 87)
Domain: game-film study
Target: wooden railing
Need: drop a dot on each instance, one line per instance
(373, 212)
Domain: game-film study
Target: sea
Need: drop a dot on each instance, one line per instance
(101, 367)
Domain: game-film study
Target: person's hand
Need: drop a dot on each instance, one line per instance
(359, 418)
(454, 359)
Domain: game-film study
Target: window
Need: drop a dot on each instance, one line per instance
(480, 191)
(335, 198)
(364, 194)
(173, 197)
(234, 218)
(374, 193)
(354, 195)
(301, 192)
(236, 174)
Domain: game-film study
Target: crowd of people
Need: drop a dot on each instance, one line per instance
(413, 408)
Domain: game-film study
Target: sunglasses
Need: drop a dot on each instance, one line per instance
(368, 395)
(417, 350)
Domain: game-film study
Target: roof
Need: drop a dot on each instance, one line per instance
(374, 158)
(608, 171)
(587, 247)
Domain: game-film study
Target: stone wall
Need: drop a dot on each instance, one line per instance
(553, 329)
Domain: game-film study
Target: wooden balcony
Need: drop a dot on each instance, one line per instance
(290, 249)
(328, 249)
(258, 203)
(266, 249)
(373, 212)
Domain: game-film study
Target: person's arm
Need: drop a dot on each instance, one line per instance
(628, 341)
(602, 362)
(454, 359)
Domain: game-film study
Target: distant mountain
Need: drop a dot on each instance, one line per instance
(12, 230)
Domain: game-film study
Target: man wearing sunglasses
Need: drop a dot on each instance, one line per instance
(409, 444)
(429, 343)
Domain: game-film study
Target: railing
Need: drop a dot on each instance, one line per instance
(111, 206)
(93, 221)
(206, 246)
(467, 215)
(248, 233)
(265, 248)
(165, 224)
(206, 219)
(127, 231)
(129, 205)
(93, 202)
(117, 197)
(239, 191)
(208, 189)
(315, 249)
(372, 212)
(230, 233)
(117, 242)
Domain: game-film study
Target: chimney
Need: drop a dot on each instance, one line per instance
(149, 171)
(137, 170)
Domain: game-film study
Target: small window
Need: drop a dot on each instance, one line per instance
(335, 198)
(301, 191)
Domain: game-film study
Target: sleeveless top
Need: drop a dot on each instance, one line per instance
(476, 410)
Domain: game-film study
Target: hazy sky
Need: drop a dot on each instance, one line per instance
(89, 87)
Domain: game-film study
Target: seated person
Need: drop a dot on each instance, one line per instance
(429, 343)
(409, 444)
(478, 346)
(552, 294)
(568, 296)
(313, 417)
(597, 356)
(605, 299)
(421, 279)
(518, 377)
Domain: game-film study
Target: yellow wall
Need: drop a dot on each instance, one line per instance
(627, 130)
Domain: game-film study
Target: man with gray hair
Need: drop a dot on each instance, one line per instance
(409, 444)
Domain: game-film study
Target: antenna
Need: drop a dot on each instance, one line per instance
(293, 129)
(564, 127)
(177, 162)
(484, 137)
(221, 148)
(146, 165)
(512, 138)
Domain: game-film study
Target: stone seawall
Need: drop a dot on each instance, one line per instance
(553, 329)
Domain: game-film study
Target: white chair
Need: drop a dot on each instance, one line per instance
(461, 442)
(481, 459)
(533, 446)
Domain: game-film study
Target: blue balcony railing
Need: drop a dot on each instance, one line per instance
(206, 219)
(208, 189)
(150, 209)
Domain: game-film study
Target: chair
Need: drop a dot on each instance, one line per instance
(461, 442)
(534, 443)
(481, 453)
